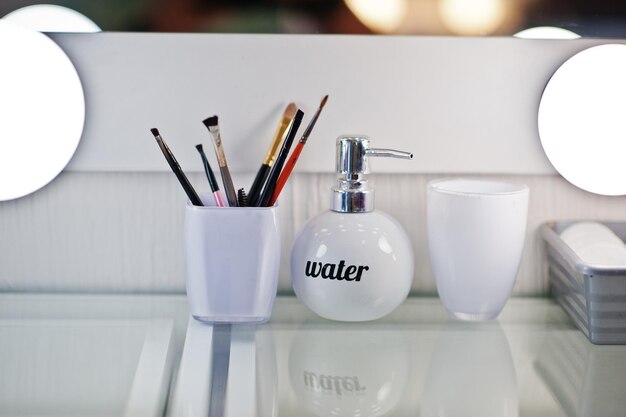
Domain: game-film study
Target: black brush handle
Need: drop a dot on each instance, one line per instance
(189, 190)
(257, 185)
(215, 187)
(270, 185)
(180, 175)
(207, 170)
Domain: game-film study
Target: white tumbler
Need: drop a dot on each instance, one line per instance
(232, 259)
(476, 233)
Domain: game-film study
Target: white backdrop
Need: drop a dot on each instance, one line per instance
(113, 220)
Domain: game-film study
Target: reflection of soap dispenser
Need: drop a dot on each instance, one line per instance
(353, 263)
(346, 370)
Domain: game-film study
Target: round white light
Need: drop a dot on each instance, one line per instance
(42, 107)
(52, 18)
(582, 123)
(546, 32)
(472, 17)
(379, 15)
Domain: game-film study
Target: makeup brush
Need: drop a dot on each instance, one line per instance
(171, 160)
(242, 198)
(215, 189)
(270, 185)
(291, 163)
(270, 157)
(231, 195)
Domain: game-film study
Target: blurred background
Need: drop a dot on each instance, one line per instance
(587, 18)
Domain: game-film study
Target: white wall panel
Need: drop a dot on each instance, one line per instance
(123, 231)
(460, 104)
(113, 220)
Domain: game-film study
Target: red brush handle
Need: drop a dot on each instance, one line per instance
(286, 172)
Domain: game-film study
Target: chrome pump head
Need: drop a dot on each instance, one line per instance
(352, 194)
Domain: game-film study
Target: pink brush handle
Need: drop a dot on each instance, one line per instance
(219, 201)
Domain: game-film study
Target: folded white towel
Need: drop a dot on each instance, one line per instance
(595, 244)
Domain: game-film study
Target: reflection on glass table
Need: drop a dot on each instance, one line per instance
(414, 362)
(88, 355)
(116, 355)
(471, 373)
(586, 380)
(348, 370)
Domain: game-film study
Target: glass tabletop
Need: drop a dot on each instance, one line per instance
(128, 355)
(81, 355)
(532, 361)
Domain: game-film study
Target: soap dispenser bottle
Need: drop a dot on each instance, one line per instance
(353, 263)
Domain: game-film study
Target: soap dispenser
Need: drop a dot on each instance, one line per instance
(352, 262)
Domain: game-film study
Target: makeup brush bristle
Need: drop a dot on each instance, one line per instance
(155, 131)
(210, 122)
(199, 147)
(291, 110)
(324, 100)
(242, 198)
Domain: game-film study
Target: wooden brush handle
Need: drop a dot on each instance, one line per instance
(229, 188)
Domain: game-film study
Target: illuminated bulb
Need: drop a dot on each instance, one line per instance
(546, 32)
(51, 18)
(379, 15)
(581, 120)
(42, 107)
(472, 17)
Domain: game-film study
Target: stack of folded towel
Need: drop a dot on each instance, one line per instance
(595, 244)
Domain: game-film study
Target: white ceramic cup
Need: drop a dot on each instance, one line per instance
(476, 231)
(232, 259)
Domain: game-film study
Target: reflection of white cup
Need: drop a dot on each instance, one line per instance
(232, 258)
(476, 231)
(471, 374)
